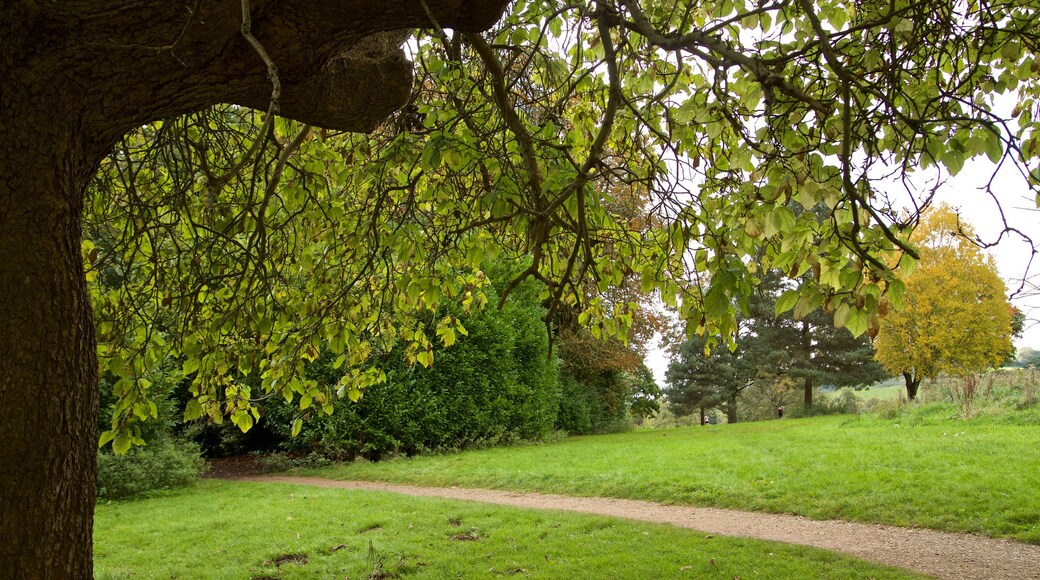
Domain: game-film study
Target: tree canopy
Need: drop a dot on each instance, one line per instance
(533, 140)
(956, 317)
(246, 243)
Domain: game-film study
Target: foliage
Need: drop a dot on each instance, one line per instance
(998, 392)
(698, 380)
(382, 535)
(603, 382)
(577, 406)
(522, 142)
(643, 400)
(811, 348)
(981, 474)
(775, 352)
(666, 418)
(495, 385)
(1028, 357)
(841, 402)
(956, 319)
(162, 465)
(163, 459)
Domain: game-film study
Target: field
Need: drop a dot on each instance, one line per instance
(928, 468)
(890, 390)
(247, 530)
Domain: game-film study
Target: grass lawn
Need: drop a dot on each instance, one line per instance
(247, 530)
(887, 391)
(884, 393)
(926, 470)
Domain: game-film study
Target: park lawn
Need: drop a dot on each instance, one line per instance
(928, 469)
(883, 393)
(890, 390)
(221, 529)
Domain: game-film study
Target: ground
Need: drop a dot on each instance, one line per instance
(941, 554)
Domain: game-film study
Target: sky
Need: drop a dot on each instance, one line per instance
(1012, 254)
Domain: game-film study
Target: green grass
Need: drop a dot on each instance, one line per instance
(888, 391)
(244, 530)
(884, 393)
(926, 469)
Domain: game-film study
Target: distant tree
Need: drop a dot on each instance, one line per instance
(956, 317)
(596, 375)
(699, 381)
(772, 349)
(1018, 326)
(644, 394)
(806, 347)
(1028, 357)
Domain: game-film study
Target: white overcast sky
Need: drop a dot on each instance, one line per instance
(1012, 253)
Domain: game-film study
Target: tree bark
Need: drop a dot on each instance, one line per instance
(731, 409)
(912, 384)
(807, 357)
(48, 359)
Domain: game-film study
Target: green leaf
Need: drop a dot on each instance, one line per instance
(994, 146)
(786, 302)
(192, 410)
(841, 315)
(716, 303)
(105, 438)
(121, 444)
(857, 322)
(803, 307)
(954, 161)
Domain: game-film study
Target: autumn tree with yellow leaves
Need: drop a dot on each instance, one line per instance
(956, 317)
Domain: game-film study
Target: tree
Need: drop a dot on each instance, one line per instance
(771, 349)
(1028, 358)
(699, 380)
(644, 394)
(956, 318)
(77, 77)
(270, 240)
(806, 347)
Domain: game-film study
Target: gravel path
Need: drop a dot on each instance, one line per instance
(941, 554)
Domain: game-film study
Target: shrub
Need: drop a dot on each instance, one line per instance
(164, 464)
(497, 385)
(575, 413)
(884, 409)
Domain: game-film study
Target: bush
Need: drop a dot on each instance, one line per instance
(165, 464)
(575, 413)
(495, 386)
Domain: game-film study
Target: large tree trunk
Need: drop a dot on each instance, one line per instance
(807, 356)
(48, 359)
(731, 409)
(912, 384)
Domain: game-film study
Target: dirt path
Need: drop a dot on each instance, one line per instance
(941, 554)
